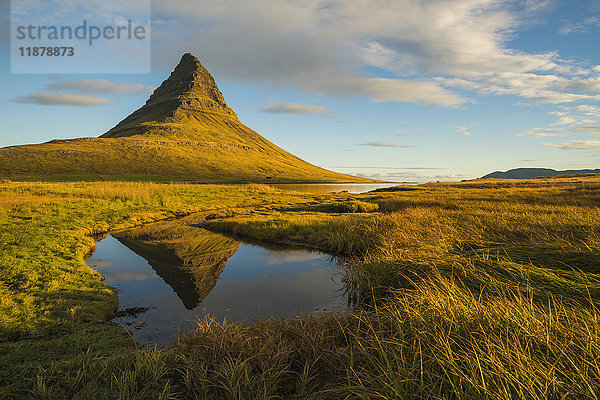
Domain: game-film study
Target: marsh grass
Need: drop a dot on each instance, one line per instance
(134, 374)
(476, 291)
(438, 340)
(296, 358)
(441, 340)
(482, 289)
(53, 306)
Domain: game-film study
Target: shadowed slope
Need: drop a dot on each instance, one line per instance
(185, 131)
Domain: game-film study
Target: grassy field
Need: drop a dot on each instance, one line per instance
(481, 289)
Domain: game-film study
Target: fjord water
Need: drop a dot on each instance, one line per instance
(254, 282)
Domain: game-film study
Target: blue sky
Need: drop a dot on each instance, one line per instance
(403, 90)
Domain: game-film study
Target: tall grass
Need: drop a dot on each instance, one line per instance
(473, 290)
(441, 340)
(437, 341)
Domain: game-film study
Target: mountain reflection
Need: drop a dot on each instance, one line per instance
(187, 258)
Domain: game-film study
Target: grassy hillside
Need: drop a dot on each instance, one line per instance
(482, 289)
(152, 158)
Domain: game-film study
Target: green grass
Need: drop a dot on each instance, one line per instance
(482, 289)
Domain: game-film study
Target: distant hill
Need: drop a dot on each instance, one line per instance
(185, 131)
(529, 173)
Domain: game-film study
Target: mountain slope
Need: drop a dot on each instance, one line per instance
(185, 131)
(529, 173)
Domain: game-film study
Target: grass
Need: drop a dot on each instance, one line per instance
(481, 289)
(53, 306)
(162, 159)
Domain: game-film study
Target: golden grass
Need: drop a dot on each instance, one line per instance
(482, 289)
(162, 159)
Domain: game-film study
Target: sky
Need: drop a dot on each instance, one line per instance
(401, 90)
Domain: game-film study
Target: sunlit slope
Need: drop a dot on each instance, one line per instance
(185, 131)
(148, 157)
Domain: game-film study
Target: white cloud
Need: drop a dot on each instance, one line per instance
(564, 121)
(383, 89)
(578, 120)
(576, 145)
(584, 26)
(87, 86)
(543, 88)
(536, 134)
(463, 130)
(321, 48)
(589, 110)
(592, 129)
(63, 99)
(79, 93)
(386, 144)
(276, 107)
(533, 133)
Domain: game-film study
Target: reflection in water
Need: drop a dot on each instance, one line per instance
(184, 273)
(284, 257)
(335, 187)
(193, 277)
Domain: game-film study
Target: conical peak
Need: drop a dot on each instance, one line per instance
(189, 94)
(189, 79)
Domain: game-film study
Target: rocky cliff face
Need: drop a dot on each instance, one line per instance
(193, 85)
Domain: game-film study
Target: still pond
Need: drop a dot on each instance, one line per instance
(161, 294)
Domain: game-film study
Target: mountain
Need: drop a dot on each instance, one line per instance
(529, 173)
(188, 105)
(185, 131)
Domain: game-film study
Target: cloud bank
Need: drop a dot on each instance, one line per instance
(63, 99)
(87, 86)
(576, 145)
(437, 51)
(276, 107)
(80, 91)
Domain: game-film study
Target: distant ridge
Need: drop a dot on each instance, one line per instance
(185, 131)
(529, 173)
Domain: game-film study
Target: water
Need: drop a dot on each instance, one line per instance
(238, 281)
(334, 187)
